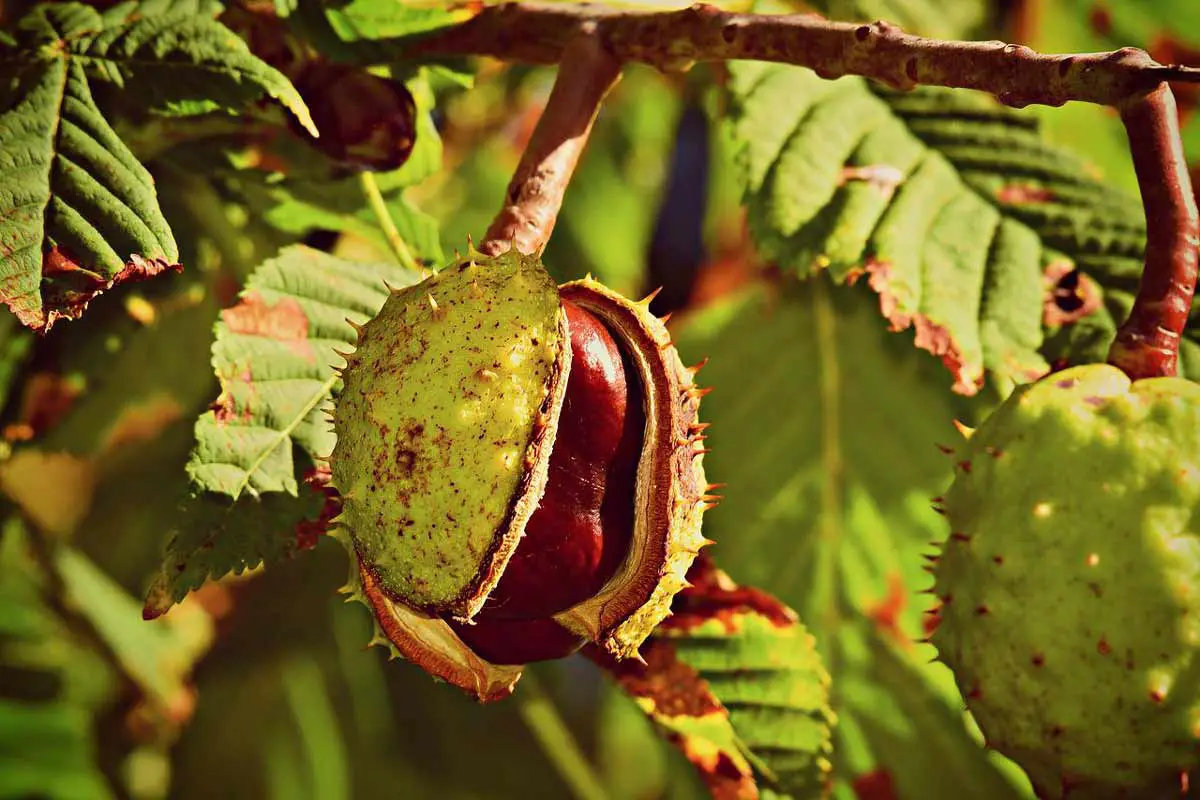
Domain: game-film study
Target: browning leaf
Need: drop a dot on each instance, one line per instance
(733, 679)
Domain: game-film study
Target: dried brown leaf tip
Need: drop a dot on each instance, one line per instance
(68, 286)
(930, 335)
(748, 632)
(682, 704)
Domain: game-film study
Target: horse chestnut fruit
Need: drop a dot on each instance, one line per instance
(520, 468)
(1069, 611)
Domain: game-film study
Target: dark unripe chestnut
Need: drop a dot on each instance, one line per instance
(365, 121)
(520, 470)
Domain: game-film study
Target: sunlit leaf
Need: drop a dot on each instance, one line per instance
(951, 207)
(78, 212)
(275, 356)
(734, 680)
(826, 427)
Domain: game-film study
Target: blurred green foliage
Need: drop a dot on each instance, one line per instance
(829, 475)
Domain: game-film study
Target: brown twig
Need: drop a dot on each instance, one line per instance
(592, 41)
(543, 34)
(536, 192)
(1147, 343)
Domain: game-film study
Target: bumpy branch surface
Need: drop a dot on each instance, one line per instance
(543, 34)
(591, 41)
(1147, 343)
(535, 194)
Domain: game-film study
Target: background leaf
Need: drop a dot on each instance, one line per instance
(53, 685)
(274, 355)
(953, 209)
(826, 429)
(734, 680)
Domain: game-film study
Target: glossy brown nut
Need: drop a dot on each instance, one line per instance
(597, 539)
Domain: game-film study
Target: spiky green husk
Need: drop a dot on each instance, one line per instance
(445, 409)
(1070, 584)
(671, 486)
(428, 642)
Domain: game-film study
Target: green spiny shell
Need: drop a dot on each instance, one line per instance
(1070, 584)
(447, 402)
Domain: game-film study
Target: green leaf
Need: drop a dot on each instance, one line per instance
(306, 194)
(951, 206)
(1081, 26)
(157, 658)
(734, 679)
(14, 349)
(384, 19)
(943, 19)
(51, 688)
(274, 356)
(825, 428)
(78, 213)
(168, 57)
(366, 31)
(215, 536)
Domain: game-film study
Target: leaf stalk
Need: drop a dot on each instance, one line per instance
(1147, 343)
(535, 194)
(386, 224)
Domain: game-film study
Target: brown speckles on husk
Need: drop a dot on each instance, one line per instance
(453, 441)
(670, 484)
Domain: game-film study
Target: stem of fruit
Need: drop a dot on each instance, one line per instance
(535, 195)
(386, 223)
(544, 33)
(543, 720)
(1147, 343)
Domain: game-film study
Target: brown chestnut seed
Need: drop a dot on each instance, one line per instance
(450, 413)
(519, 641)
(580, 532)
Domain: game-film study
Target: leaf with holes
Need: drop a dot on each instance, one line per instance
(275, 355)
(828, 505)
(78, 213)
(954, 210)
(734, 680)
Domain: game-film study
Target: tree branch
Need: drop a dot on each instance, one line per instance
(592, 41)
(536, 192)
(1147, 343)
(672, 40)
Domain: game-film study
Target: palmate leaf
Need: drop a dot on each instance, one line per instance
(78, 213)
(51, 688)
(734, 680)
(275, 356)
(951, 207)
(825, 428)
